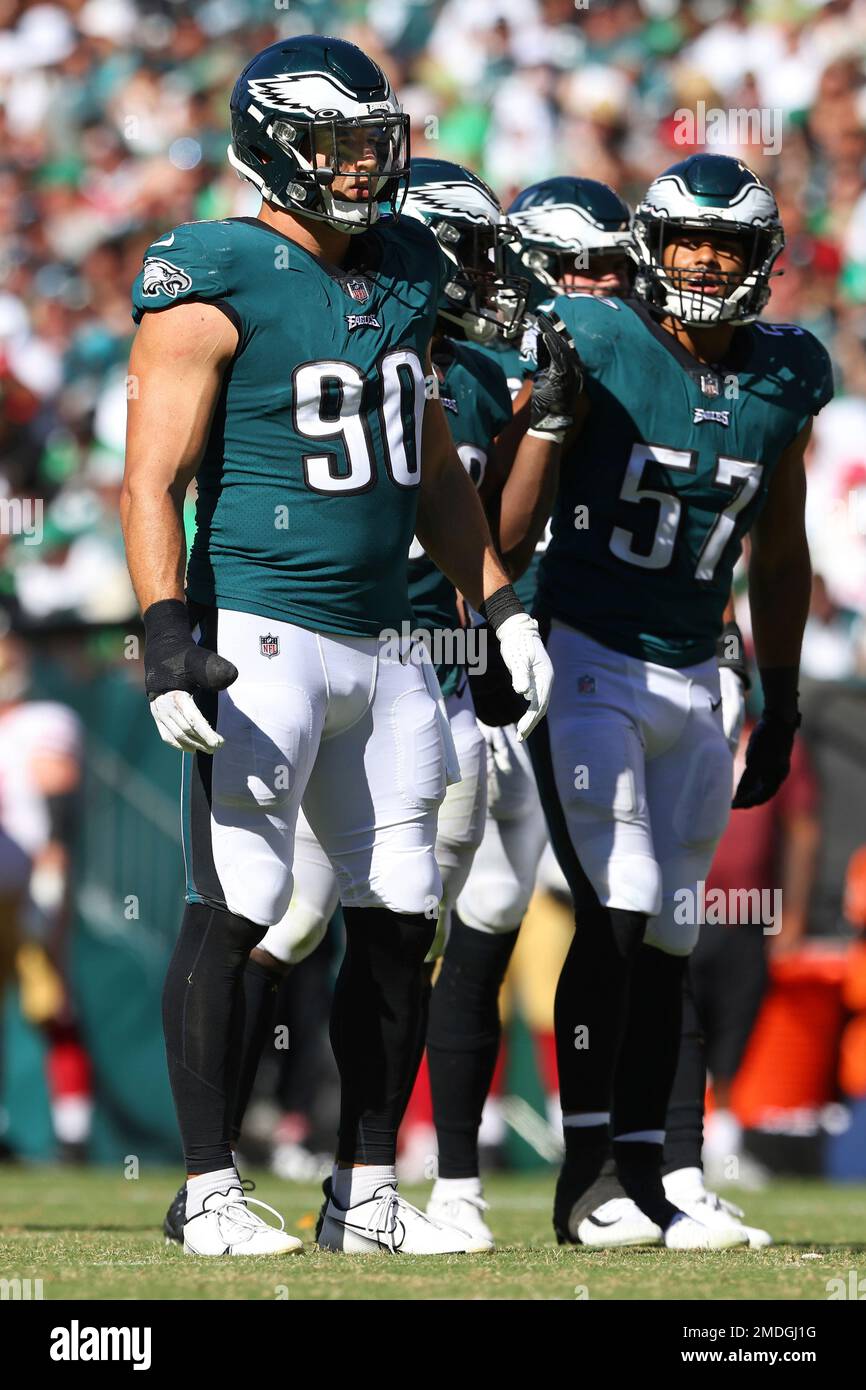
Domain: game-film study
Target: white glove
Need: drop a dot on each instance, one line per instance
(181, 723)
(529, 666)
(733, 706)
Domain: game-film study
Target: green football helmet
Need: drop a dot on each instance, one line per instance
(710, 193)
(571, 234)
(467, 221)
(318, 130)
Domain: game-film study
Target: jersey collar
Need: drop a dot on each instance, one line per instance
(734, 361)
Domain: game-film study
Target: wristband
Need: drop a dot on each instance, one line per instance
(166, 617)
(781, 694)
(555, 436)
(500, 606)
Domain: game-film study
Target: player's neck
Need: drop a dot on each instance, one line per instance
(705, 344)
(318, 238)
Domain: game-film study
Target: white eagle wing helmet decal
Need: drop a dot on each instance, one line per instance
(161, 277)
(567, 227)
(316, 93)
(296, 108)
(750, 211)
(466, 201)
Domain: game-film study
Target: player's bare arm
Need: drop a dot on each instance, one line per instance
(780, 575)
(177, 363)
(178, 360)
(780, 580)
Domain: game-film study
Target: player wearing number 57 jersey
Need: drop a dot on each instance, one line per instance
(694, 422)
(282, 361)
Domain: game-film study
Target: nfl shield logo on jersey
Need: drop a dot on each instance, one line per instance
(359, 290)
(710, 385)
(269, 645)
(586, 685)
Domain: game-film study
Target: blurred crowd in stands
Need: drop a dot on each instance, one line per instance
(113, 128)
(113, 122)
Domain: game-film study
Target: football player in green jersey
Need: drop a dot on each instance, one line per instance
(691, 432)
(282, 361)
(467, 222)
(569, 232)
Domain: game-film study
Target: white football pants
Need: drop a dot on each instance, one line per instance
(460, 827)
(331, 721)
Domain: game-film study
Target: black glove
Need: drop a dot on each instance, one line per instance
(768, 755)
(496, 702)
(558, 381)
(172, 660)
(768, 761)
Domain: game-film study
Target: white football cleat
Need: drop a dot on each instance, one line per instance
(686, 1190)
(616, 1223)
(466, 1213)
(712, 1209)
(387, 1223)
(226, 1226)
(684, 1233)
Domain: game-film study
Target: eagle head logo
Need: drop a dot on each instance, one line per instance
(161, 277)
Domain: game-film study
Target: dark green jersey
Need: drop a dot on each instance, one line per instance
(308, 487)
(669, 473)
(515, 359)
(477, 404)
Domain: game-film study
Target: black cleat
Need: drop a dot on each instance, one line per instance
(571, 1205)
(326, 1188)
(175, 1217)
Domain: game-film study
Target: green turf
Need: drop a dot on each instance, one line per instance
(94, 1235)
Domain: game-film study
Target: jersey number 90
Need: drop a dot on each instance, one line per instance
(329, 405)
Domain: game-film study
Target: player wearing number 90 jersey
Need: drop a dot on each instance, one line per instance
(694, 424)
(282, 360)
(307, 487)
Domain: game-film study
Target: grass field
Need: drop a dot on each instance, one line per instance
(93, 1235)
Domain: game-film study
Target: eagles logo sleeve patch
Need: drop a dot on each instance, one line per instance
(161, 277)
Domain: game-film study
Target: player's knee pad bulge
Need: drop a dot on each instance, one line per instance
(266, 728)
(598, 766)
(703, 808)
(420, 770)
(462, 813)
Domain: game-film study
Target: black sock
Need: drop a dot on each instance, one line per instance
(463, 1040)
(203, 1022)
(684, 1123)
(587, 1147)
(651, 1042)
(378, 999)
(261, 983)
(639, 1167)
(591, 1002)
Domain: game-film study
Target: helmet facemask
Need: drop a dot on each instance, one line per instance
(556, 269)
(481, 296)
(729, 296)
(321, 178)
